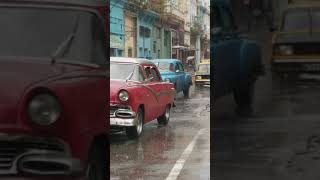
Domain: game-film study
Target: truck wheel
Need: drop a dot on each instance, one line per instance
(164, 119)
(136, 131)
(186, 92)
(243, 97)
(97, 162)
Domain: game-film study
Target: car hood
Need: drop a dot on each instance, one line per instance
(16, 75)
(167, 73)
(297, 37)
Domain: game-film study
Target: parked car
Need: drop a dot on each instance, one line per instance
(202, 75)
(53, 76)
(137, 95)
(296, 47)
(236, 60)
(172, 70)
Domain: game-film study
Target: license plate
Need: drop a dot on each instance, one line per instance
(311, 67)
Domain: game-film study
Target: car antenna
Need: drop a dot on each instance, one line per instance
(65, 45)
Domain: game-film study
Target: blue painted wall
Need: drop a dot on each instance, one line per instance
(117, 28)
(146, 19)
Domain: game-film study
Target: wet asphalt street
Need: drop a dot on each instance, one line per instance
(281, 141)
(180, 150)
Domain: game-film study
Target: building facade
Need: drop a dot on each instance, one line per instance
(117, 34)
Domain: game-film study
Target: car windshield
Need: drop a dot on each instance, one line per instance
(296, 21)
(165, 66)
(40, 32)
(204, 68)
(124, 71)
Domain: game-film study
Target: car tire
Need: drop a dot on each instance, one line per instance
(136, 131)
(186, 92)
(164, 119)
(98, 162)
(243, 97)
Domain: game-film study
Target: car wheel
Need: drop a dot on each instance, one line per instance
(186, 92)
(97, 162)
(243, 97)
(136, 131)
(164, 119)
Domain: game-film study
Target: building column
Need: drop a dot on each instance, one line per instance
(198, 49)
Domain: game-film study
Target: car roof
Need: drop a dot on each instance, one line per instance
(131, 60)
(166, 60)
(74, 2)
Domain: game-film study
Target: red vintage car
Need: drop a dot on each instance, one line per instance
(138, 95)
(53, 78)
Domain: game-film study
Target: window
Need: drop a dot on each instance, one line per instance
(129, 52)
(181, 67)
(154, 46)
(155, 74)
(148, 73)
(176, 67)
(141, 76)
(158, 33)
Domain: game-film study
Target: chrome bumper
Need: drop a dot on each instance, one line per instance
(123, 117)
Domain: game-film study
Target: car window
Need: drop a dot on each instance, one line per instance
(155, 74)
(165, 66)
(181, 67)
(148, 72)
(176, 67)
(141, 76)
(296, 21)
(204, 68)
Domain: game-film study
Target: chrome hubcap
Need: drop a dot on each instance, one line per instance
(167, 113)
(139, 123)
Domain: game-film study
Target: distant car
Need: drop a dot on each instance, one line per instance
(296, 44)
(202, 75)
(53, 76)
(236, 61)
(138, 95)
(172, 70)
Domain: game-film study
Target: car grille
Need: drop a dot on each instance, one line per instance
(9, 150)
(114, 108)
(307, 49)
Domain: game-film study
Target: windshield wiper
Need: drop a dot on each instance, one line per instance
(66, 44)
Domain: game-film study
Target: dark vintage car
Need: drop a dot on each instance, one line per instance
(138, 95)
(296, 44)
(236, 61)
(53, 76)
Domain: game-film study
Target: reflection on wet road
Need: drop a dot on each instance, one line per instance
(155, 153)
(282, 140)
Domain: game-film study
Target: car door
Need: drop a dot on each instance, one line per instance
(226, 51)
(180, 76)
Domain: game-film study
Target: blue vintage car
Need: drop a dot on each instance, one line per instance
(172, 70)
(236, 60)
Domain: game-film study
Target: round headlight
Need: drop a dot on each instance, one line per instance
(44, 109)
(123, 95)
(286, 50)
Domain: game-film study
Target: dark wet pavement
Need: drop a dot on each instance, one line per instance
(156, 152)
(281, 141)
